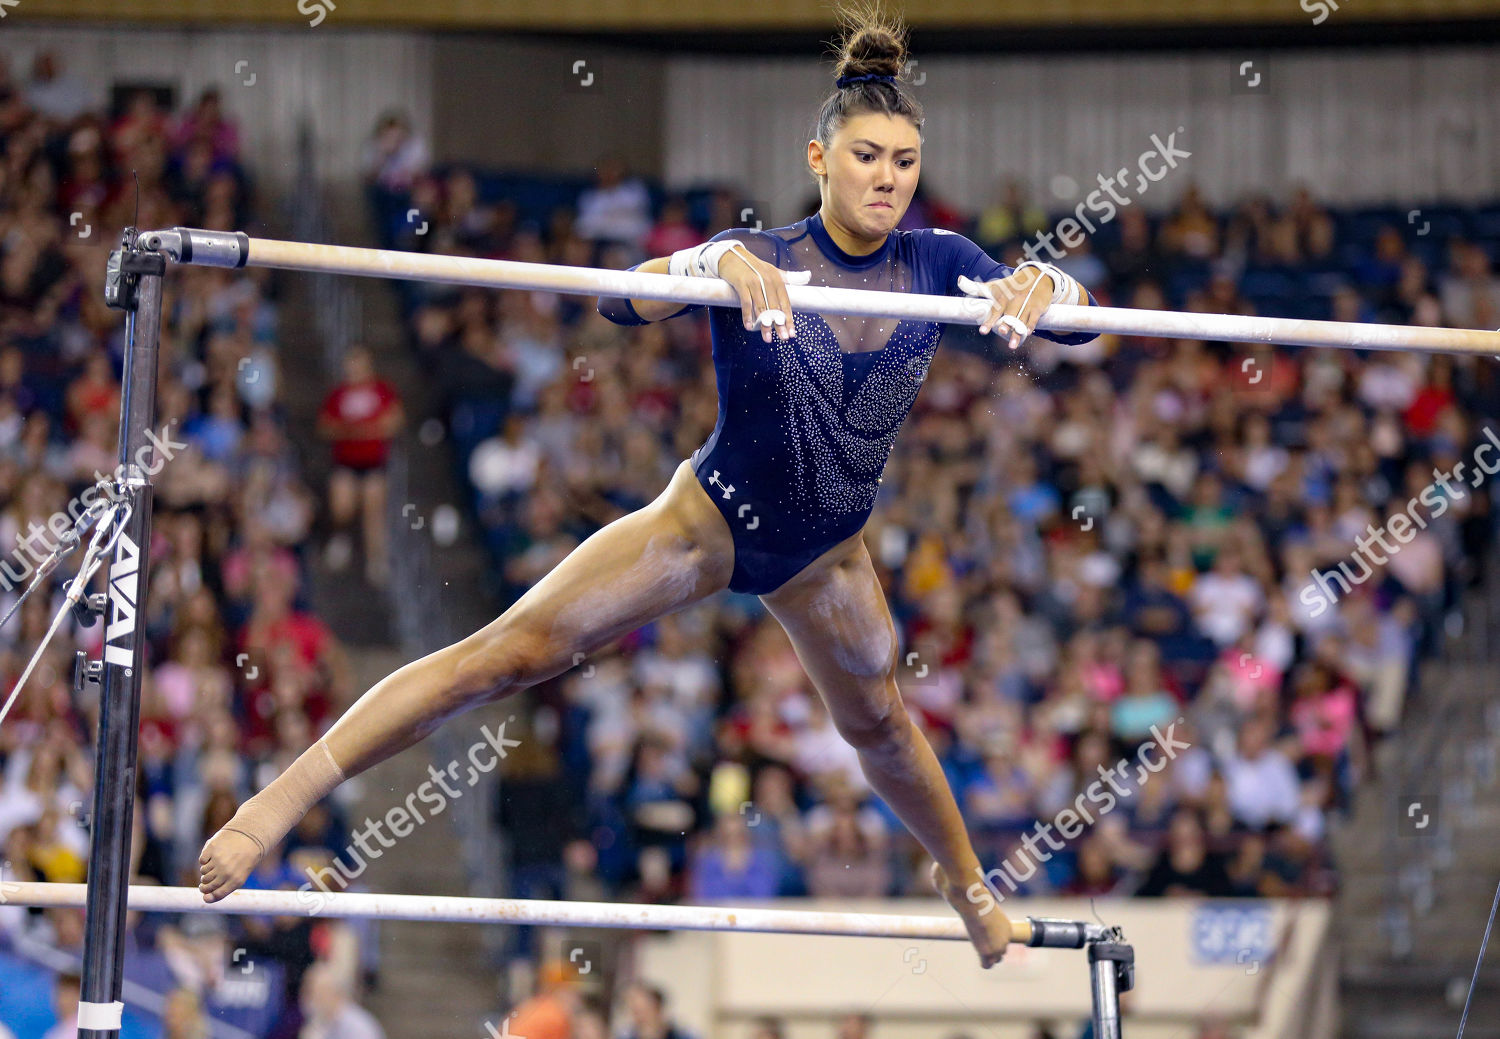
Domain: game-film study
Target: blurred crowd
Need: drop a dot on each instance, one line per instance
(1087, 550)
(240, 675)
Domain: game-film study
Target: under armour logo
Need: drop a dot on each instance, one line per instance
(714, 479)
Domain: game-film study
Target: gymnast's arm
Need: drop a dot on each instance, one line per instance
(643, 310)
(759, 284)
(1022, 294)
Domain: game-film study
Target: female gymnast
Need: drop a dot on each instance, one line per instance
(773, 503)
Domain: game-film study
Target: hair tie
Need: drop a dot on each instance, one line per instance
(871, 77)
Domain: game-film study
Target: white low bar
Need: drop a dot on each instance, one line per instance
(450, 909)
(588, 281)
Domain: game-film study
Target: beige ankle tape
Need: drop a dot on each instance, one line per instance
(270, 815)
(242, 833)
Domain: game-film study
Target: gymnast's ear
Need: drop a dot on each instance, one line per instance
(815, 161)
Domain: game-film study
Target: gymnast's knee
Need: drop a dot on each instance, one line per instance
(888, 732)
(497, 661)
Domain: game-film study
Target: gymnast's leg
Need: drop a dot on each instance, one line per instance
(659, 559)
(836, 616)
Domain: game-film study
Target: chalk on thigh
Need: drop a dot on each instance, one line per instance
(629, 573)
(840, 626)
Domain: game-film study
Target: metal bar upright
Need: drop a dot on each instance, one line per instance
(134, 284)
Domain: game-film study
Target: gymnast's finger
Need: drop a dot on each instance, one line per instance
(758, 308)
(1020, 328)
(762, 288)
(777, 307)
(732, 269)
(1013, 329)
(751, 284)
(1027, 307)
(776, 283)
(991, 319)
(1040, 300)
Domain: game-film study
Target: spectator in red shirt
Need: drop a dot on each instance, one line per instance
(673, 229)
(94, 391)
(1425, 409)
(141, 122)
(359, 418)
(282, 642)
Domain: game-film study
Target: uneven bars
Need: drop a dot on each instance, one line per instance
(237, 249)
(451, 909)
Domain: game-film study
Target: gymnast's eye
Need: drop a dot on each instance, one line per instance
(906, 164)
(864, 156)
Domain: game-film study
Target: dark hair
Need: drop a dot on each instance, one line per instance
(657, 996)
(871, 61)
(770, 1024)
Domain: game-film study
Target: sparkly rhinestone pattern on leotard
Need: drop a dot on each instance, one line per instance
(842, 426)
(806, 425)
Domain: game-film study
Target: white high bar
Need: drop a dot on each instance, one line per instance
(237, 249)
(453, 909)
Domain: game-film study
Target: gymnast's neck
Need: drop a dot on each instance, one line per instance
(846, 239)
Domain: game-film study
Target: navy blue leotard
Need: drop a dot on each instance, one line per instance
(805, 425)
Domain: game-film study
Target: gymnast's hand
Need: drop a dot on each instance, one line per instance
(1017, 302)
(762, 291)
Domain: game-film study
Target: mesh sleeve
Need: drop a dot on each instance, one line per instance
(762, 246)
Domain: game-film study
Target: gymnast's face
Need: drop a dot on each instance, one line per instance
(867, 173)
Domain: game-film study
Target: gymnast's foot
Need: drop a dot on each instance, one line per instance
(989, 931)
(227, 859)
(263, 820)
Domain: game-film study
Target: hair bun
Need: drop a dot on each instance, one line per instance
(874, 44)
(869, 69)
